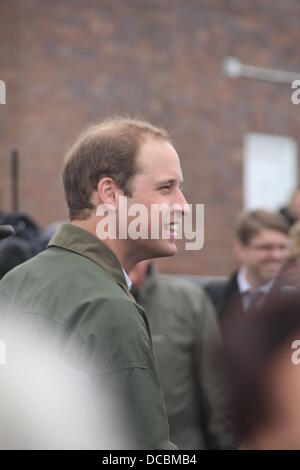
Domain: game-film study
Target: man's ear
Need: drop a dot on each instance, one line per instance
(108, 191)
(239, 251)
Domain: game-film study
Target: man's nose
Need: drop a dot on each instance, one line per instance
(182, 203)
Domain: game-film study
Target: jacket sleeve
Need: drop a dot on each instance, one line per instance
(122, 365)
(136, 393)
(212, 380)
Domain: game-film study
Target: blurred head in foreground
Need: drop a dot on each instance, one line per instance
(47, 404)
(265, 371)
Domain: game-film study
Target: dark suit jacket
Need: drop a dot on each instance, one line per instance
(226, 297)
(228, 302)
(229, 305)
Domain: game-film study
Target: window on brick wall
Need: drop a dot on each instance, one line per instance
(270, 170)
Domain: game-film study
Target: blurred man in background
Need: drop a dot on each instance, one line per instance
(261, 248)
(27, 241)
(187, 344)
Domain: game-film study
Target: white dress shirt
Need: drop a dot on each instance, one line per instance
(246, 290)
(127, 279)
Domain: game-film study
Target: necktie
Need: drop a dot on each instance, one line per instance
(256, 298)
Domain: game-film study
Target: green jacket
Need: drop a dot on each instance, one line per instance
(74, 295)
(187, 343)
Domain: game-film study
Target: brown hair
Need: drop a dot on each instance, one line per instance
(251, 223)
(109, 149)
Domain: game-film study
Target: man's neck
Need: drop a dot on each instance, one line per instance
(87, 225)
(118, 248)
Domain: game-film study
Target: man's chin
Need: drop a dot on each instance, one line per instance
(270, 275)
(166, 248)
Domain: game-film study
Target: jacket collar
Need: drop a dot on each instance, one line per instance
(78, 240)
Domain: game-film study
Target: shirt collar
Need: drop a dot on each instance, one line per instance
(78, 240)
(127, 279)
(245, 287)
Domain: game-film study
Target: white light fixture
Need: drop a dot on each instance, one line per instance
(234, 68)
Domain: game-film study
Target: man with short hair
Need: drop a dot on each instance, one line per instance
(261, 247)
(77, 291)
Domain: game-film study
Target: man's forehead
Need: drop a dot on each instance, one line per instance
(158, 161)
(269, 234)
(153, 151)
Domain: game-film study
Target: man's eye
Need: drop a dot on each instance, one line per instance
(165, 188)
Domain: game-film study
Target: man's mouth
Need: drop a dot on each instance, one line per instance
(273, 264)
(172, 228)
(273, 267)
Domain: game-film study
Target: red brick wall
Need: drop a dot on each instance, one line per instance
(67, 63)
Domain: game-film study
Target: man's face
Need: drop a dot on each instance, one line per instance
(158, 181)
(263, 255)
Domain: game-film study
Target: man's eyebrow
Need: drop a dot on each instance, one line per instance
(169, 182)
